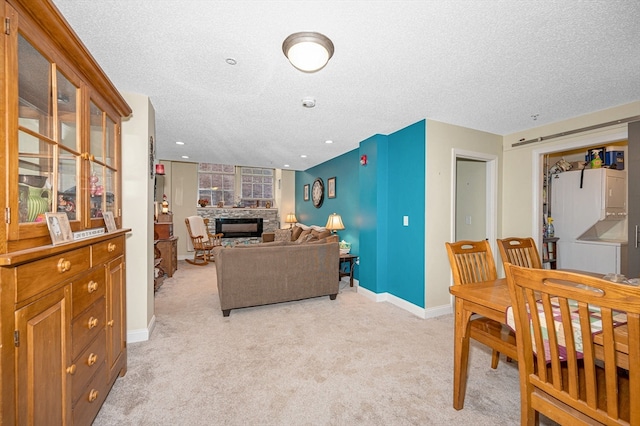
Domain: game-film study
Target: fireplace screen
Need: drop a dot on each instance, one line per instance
(239, 228)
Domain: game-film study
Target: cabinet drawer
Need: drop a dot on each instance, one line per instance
(87, 326)
(107, 250)
(91, 398)
(87, 290)
(36, 277)
(88, 363)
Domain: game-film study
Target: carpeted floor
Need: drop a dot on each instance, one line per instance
(312, 362)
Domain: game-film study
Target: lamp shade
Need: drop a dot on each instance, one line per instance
(308, 51)
(291, 218)
(335, 222)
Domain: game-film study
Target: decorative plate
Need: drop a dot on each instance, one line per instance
(317, 192)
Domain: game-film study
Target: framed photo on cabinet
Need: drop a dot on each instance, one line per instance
(109, 221)
(59, 228)
(306, 192)
(331, 187)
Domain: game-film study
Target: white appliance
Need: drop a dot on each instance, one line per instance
(589, 211)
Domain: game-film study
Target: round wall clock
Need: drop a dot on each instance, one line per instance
(317, 192)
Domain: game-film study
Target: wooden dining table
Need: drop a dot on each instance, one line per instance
(491, 299)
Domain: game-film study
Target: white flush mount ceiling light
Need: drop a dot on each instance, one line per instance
(308, 51)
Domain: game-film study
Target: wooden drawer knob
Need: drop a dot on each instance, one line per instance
(110, 323)
(71, 369)
(63, 265)
(93, 322)
(111, 247)
(92, 359)
(92, 286)
(93, 395)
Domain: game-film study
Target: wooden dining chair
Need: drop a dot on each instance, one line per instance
(201, 240)
(472, 262)
(520, 251)
(589, 371)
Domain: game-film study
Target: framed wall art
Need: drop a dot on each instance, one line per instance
(305, 192)
(331, 187)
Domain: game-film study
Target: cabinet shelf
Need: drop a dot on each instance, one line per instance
(550, 252)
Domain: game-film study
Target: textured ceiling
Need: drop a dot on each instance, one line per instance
(485, 64)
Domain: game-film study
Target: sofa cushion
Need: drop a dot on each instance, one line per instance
(321, 234)
(309, 238)
(283, 235)
(267, 244)
(296, 233)
(330, 239)
(303, 235)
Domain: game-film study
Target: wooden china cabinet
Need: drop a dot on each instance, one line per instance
(62, 307)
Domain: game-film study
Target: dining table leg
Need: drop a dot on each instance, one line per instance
(461, 353)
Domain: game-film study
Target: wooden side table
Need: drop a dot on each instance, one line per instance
(169, 254)
(344, 259)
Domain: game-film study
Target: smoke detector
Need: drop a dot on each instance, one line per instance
(308, 102)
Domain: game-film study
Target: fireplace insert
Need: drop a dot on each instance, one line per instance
(240, 228)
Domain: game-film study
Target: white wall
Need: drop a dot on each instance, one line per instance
(137, 214)
(442, 138)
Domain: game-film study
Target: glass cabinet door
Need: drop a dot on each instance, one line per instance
(104, 173)
(48, 154)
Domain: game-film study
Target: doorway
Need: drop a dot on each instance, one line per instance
(474, 207)
(538, 166)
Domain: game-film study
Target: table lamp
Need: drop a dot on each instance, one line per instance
(291, 219)
(334, 223)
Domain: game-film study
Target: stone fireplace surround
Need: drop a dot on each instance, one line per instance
(270, 218)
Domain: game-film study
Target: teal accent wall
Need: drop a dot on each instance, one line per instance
(406, 197)
(372, 201)
(345, 169)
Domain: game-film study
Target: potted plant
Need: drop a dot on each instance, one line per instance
(203, 202)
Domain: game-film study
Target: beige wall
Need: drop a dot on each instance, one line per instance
(181, 188)
(137, 214)
(286, 195)
(519, 193)
(471, 196)
(442, 139)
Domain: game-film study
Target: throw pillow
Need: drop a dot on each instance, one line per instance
(296, 233)
(283, 235)
(302, 238)
(309, 238)
(321, 234)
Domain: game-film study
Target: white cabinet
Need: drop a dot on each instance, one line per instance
(595, 256)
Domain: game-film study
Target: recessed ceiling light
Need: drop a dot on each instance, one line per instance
(179, 143)
(286, 165)
(231, 61)
(328, 141)
(185, 156)
(303, 156)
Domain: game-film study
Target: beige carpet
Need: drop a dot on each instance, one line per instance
(313, 362)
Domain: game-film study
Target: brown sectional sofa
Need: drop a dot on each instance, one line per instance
(276, 272)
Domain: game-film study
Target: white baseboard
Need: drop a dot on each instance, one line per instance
(407, 306)
(141, 335)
